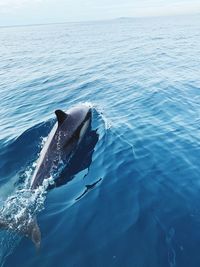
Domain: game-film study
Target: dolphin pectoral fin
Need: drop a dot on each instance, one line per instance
(61, 116)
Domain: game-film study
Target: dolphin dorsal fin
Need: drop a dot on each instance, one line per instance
(61, 116)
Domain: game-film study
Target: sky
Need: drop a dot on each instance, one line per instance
(23, 12)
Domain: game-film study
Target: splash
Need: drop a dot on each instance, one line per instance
(20, 207)
(107, 122)
(109, 125)
(18, 211)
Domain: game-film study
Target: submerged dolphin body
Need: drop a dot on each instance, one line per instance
(62, 142)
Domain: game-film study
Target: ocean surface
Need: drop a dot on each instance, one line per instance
(142, 79)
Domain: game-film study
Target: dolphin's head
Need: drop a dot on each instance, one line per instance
(73, 125)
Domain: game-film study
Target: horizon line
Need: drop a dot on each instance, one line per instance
(99, 20)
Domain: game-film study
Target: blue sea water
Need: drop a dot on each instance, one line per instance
(142, 78)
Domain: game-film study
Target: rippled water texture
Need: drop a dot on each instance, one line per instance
(142, 78)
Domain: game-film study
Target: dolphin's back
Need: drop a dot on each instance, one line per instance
(42, 170)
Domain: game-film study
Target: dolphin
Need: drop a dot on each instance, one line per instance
(62, 141)
(61, 144)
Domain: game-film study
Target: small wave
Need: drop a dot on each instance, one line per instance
(109, 125)
(101, 113)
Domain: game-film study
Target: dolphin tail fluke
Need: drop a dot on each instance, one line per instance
(34, 233)
(3, 224)
(30, 229)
